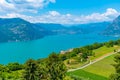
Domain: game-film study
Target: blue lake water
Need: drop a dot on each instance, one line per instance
(21, 51)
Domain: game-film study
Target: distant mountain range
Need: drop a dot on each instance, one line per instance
(75, 29)
(61, 29)
(16, 29)
(113, 29)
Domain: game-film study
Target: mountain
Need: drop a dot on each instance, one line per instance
(93, 27)
(16, 29)
(61, 29)
(113, 29)
(75, 29)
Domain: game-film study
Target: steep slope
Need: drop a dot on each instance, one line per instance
(17, 29)
(113, 29)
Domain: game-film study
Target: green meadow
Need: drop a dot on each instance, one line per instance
(97, 71)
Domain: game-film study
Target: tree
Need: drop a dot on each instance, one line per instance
(2, 76)
(116, 76)
(85, 53)
(14, 66)
(63, 57)
(93, 46)
(31, 70)
(117, 42)
(110, 44)
(43, 70)
(76, 50)
(56, 67)
(3, 68)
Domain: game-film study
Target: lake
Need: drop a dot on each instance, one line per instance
(21, 51)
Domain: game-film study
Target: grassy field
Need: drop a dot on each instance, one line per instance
(98, 53)
(100, 70)
(82, 74)
(103, 67)
(97, 71)
(104, 50)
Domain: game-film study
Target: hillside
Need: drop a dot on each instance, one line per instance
(114, 28)
(100, 70)
(16, 29)
(98, 57)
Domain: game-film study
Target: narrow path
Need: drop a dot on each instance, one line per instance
(99, 59)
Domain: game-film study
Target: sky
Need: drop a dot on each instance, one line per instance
(61, 11)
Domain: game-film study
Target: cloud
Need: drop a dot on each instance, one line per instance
(23, 5)
(109, 15)
(56, 17)
(54, 13)
(110, 12)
